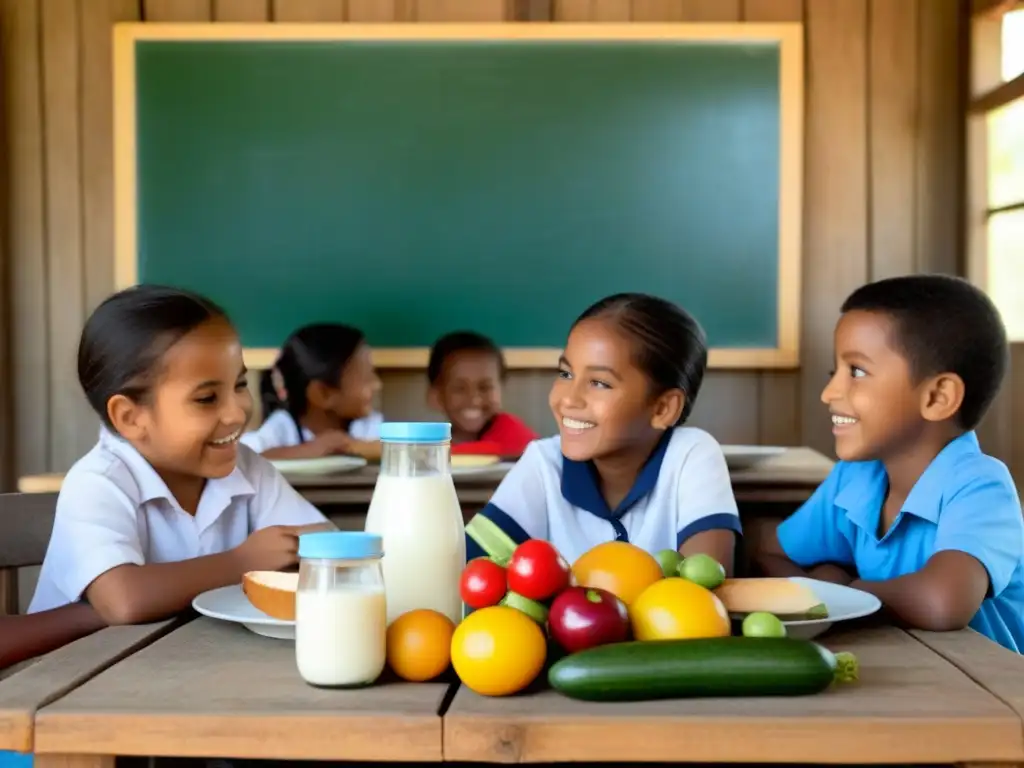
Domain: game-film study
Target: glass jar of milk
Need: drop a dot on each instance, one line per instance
(340, 614)
(416, 510)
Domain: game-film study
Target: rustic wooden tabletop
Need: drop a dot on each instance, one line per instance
(214, 689)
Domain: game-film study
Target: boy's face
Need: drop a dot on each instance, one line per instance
(876, 407)
(469, 390)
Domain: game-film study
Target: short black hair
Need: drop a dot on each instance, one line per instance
(315, 352)
(460, 341)
(127, 335)
(670, 346)
(943, 324)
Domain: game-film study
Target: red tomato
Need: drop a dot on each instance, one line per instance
(483, 583)
(537, 571)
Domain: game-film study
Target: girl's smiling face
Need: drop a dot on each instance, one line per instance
(352, 397)
(602, 402)
(188, 423)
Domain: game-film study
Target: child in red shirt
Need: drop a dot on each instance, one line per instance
(466, 371)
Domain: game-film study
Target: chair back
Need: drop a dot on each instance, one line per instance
(26, 521)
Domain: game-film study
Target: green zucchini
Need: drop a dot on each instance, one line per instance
(722, 666)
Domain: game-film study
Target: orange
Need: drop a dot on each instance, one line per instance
(419, 644)
(498, 651)
(622, 568)
(677, 609)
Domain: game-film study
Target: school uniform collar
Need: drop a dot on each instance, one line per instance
(219, 491)
(581, 485)
(862, 497)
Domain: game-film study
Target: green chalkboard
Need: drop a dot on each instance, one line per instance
(411, 187)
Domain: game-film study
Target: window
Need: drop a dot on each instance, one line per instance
(999, 102)
(1013, 52)
(1006, 268)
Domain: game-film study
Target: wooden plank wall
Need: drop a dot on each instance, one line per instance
(883, 185)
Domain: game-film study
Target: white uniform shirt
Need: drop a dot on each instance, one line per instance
(683, 489)
(113, 509)
(280, 431)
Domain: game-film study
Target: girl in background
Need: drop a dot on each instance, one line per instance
(318, 397)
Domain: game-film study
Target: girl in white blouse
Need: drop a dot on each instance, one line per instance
(318, 397)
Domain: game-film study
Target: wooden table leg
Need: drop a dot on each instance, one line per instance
(73, 761)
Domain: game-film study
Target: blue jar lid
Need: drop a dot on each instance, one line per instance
(415, 432)
(339, 545)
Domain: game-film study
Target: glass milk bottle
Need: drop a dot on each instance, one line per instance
(340, 616)
(416, 511)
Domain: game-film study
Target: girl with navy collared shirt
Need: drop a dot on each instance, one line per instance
(622, 467)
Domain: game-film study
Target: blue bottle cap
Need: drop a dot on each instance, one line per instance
(339, 545)
(415, 432)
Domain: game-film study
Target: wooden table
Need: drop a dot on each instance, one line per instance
(788, 477)
(215, 690)
(791, 476)
(911, 706)
(355, 488)
(29, 686)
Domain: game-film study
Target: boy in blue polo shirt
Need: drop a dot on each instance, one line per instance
(914, 512)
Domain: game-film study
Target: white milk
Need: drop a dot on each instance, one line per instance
(340, 635)
(420, 521)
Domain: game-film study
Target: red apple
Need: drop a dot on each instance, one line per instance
(583, 617)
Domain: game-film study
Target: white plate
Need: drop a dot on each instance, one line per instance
(323, 466)
(231, 604)
(843, 603)
(485, 469)
(741, 456)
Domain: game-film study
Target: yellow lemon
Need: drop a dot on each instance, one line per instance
(678, 609)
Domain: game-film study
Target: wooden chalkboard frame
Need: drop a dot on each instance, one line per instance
(789, 37)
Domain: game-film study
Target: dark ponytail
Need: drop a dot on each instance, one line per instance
(126, 337)
(669, 344)
(270, 400)
(316, 352)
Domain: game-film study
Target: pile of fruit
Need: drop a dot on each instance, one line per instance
(620, 624)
